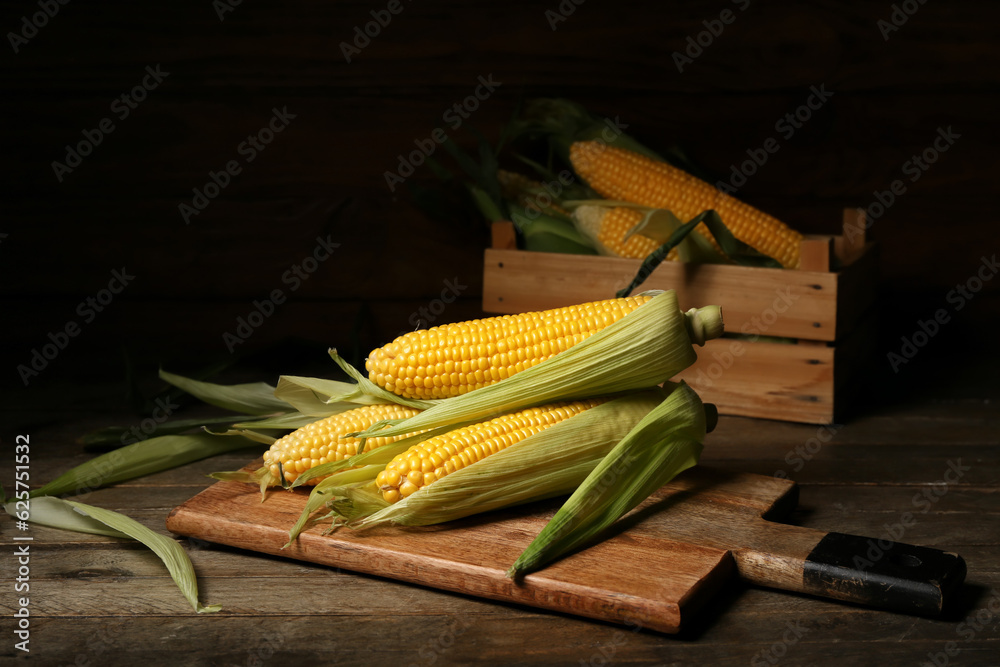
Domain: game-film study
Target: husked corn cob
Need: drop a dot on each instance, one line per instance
(433, 459)
(322, 441)
(620, 174)
(453, 359)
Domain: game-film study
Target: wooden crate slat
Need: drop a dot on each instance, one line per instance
(766, 380)
(775, 302)
(831, 314)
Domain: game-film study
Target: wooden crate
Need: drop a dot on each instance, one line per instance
(829, 314)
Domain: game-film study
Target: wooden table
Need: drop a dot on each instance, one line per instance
(97, 600)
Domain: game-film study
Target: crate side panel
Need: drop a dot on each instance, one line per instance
(767, 380)
(773, 302)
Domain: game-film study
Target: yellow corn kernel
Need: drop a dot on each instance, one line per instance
(467, 352)
(616, 173)
(435, 458)
(614, 225)
(323, 441)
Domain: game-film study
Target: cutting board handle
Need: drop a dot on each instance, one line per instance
(866, 570)
(882, 573)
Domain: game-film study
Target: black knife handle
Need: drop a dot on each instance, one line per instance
(885, 574)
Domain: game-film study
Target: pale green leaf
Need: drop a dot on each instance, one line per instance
(142, 458)
(366, 387)
(256, 398)
(321, 397)
(117, 436)
(667, 441)
(77, 517)
(286, 422)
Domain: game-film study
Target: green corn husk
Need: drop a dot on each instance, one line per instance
(643, 349)
(350, 473)
(547, 464)
(256, 398)
(80, 518)
(666, 442)
(323, 398)
(142, 458)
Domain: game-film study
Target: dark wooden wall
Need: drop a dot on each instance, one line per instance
(323, 175)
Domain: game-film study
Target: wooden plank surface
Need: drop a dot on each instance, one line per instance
(109, 601)
(767, 380)
(679, 575)
(517, 281)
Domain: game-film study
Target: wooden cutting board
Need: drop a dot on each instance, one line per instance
(662, 563)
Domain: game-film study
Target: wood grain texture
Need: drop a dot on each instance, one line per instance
(679, 574)
(518, 281)
(768, 380)
(103, 600)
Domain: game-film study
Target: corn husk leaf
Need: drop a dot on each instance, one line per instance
(249, 434)
(667, 441)
(366, 389)
(550, 463)
(544, 233)
(80, 518)
(256, 398)
(341, 473)
(645, 348)
(286, 422)
(336, 485)
(660, 225)
(735, 250)
(142, 458)
(318, 396)
(109, 437)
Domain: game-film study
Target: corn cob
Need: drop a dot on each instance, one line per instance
(550, 462)
(434, 458)
(620, 174)
(453, 359)
(649, 346)
(528, 193)
(323, 441)
(610, 225)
